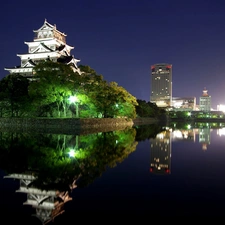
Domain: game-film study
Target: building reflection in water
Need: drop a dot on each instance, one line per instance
(161, 148)
(160, 153)
(48, 203)
(221, 131)
(204, 137)
(184, 135)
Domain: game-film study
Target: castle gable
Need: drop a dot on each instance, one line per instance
(45, 26)
(41, 48)
(29, 63)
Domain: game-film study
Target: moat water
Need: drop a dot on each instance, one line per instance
(175, 171)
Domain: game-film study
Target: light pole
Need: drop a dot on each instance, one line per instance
(74, 99)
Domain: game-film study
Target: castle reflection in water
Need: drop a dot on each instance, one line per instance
(48, 204)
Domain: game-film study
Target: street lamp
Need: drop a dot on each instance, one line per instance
(74, 99)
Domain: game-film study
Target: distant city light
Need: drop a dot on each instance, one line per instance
(221, 108)
(160, 135)
(177, 134)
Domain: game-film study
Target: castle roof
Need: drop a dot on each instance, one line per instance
(65, 59)
(47, 25)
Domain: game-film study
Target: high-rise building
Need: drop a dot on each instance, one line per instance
(161, 84)
(205, 101)
(48, 44)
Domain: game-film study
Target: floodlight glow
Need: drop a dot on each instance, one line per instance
(72, 153)
(73, 99)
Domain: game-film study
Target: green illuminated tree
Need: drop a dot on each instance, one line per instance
(107, 99)
(53, 86)
(47, 156)
(125, 103)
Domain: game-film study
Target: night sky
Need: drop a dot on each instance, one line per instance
(121, 39)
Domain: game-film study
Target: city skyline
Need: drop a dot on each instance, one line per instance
(122, 39)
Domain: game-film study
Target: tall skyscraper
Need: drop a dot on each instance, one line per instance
(205, 101)
(161, 84)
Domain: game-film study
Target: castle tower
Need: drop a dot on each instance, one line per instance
(48, 44)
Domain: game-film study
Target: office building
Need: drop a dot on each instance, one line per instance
(205, 101)
(161, 85)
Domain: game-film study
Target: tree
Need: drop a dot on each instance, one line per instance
(125, 102)
(148, 109)
(14, 98)
(106, 99)
(53, 86)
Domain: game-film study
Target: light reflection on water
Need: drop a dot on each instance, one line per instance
(172, 173)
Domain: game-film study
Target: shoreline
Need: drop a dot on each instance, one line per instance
(70, 125)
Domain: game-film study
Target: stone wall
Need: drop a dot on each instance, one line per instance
(67, 125)
(143, 121)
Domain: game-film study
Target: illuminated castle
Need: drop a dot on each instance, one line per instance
(48, 44)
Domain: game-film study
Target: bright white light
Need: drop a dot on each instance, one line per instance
(221, 131)
(73, 99)
(177, 134)
(177, 104)
(221, 108)
(161, 104)
(160, 135)
(72, 153)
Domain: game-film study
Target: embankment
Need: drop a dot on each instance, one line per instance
(69, 125)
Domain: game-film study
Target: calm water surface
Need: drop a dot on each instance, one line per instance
(146, 171)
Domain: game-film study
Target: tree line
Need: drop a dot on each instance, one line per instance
(52, 85)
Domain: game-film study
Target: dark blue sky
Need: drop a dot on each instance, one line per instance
(121, 39)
